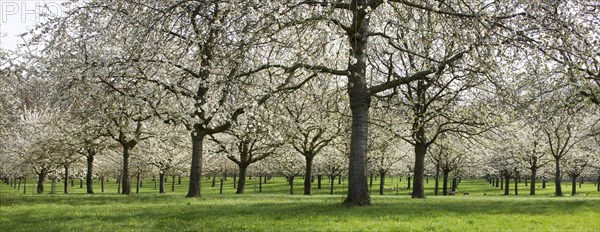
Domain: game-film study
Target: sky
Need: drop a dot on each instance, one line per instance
(18, 16)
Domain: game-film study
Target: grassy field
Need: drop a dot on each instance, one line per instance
(275, 210)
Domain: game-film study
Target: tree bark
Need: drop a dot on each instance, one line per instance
(308, 173)
(260, 180)
(137, 183)
(89, 178)
(332, 178)
(574, 185)
(360, 101)
(445, 184)
(214, 181)
(221, 186)
(532, 181)
(506, 184)
(66, 183)
(319, 179)
(381, 182)
(24, 184)
(557, 179)
(437, 179)
(196, 166)
(173, 184)
(125, 184)
(418, 190)
(516, 184)
(242, 179)
(291, 179)
(161, 182)
(41, 179)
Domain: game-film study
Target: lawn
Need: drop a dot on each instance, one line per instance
(276, 210)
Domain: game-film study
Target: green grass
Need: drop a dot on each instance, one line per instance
(276, 210)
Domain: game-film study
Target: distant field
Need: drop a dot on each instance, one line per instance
(276, 210)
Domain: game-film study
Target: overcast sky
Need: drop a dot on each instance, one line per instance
(18, 16)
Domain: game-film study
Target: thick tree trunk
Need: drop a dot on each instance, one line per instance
(308, 173)
(497, 182)
(89, 178)
(196, 166)
(214, 181)
(454, 184)
(418, 190)
(161, 182)
(532, 182)
(41, 179)
(381, 182)
(360, 101)
(557, 179)
(66, 183)
(125, 184)
(242, 180)
(319, 180)
(445, 184)
(502, 182)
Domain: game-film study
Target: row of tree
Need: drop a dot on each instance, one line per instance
(375, 82)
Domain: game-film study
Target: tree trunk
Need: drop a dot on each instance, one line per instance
(66, 184)
(214, 181)
(235, 180)
(360, 101)
(381, 182)
(502, 182)
(557, 179)
(308, 173)
(137, 183)
(437, 179)
(332, 178)
(24, 184)
(319, 179)
(260, 180)
(506, 184)
(161, 182)
(291, 179)
(574, 185)
(173, 184)
(53, 188)
(454, 184)
(125, 185)
(371, 181)
(532, 182)
(497, 182)
(516, 184)
(196, 166)
(408, 182)
(41, 179)
(89, 178)
(445, 184)
(418, 190)
(242, 180)
(102, 184)
(221, 186)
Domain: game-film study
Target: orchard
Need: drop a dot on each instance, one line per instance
(305, 115)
